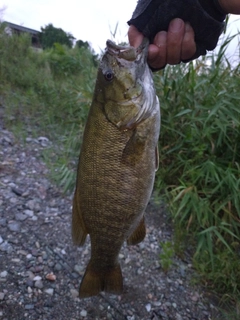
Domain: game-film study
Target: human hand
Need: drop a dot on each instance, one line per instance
(178, 30)
(168, 47)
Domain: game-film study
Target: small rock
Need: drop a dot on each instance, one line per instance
(83, 313)
(28, 139)
(37, 278)
(195, 297)
(51, 276)
(6, 247)
(58, 267)
(3, 222)
(148, 307)
(178, 316)
(3, 274)
(14, 226)
(49, 291)
(1, 240)
(79, 269)
(38, 284)
(127, 260)
(29, 289)
(28, 213)
(33, 205)
(22, 252)
(20, 217)
(2, 296)
(17, 191)
(13, 200)
(43, 141)
(29, 306)
(74, 293)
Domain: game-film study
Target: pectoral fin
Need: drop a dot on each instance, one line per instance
(138, 234)
(133, 150)
(79, 231)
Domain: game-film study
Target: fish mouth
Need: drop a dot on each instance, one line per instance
(128, 53)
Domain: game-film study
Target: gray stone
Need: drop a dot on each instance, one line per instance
(83, 313)
(6, 247)
(38, 284)
(29, 306)
(74, 293)
(20, 217)
(79, 269)
(28, 213)
(58, 267)
(3, 274)
(49, 291)
(3, 222)
(14, 226)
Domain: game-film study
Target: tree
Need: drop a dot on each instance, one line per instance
(50, 35)
(83, 44)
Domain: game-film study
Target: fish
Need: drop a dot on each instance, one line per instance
(117, 164)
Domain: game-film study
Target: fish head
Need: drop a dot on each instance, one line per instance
(126, 84)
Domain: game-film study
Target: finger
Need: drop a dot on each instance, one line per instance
(157, 52)
(188, 43)
(134, 36)
(174, 40)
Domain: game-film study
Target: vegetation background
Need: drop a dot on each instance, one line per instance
(49, 93)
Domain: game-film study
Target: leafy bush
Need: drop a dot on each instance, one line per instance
(200, 162)
(49, 91)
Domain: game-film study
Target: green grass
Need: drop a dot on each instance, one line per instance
(199, 171)
(49, 93)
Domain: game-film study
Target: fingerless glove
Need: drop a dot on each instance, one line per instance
(205, 16)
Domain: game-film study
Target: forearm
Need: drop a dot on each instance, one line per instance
(230, 6)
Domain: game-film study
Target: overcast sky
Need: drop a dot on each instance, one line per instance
(88, 20)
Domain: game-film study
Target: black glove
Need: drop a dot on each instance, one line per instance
(205, 16)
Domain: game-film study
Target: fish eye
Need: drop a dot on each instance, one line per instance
(109, 75)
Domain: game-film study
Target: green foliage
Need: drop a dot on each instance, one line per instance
(51, 35)
(82, 44)
(200, 162)
(48, 92)
(167, 255)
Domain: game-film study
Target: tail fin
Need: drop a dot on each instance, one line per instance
(94, 282)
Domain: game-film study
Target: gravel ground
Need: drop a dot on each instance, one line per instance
(40, 269)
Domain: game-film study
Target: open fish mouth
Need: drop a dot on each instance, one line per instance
(128, 52)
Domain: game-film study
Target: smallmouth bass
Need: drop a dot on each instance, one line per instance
(117, 164)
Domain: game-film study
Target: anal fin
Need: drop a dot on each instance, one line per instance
(138, 234)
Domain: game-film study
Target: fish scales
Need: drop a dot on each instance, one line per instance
(117, 165)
